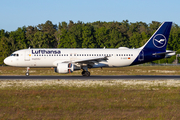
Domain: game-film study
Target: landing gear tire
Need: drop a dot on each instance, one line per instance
(86, 73)
(83, 73)
(27, 74)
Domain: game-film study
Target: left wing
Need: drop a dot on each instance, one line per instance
(90, 60)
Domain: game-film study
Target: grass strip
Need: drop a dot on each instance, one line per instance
(90, 99)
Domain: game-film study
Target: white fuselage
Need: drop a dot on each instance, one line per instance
(50, 57)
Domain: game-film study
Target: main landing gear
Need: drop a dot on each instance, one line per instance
(27, 72)
(85, 71)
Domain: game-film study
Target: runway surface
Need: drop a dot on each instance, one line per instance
(124, 77)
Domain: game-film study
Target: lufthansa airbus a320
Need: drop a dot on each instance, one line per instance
(69, 60)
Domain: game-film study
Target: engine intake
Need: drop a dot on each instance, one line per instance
(64, 68)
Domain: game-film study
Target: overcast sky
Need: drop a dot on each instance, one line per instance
(19, 13)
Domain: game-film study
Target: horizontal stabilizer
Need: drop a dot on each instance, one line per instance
(162, 53)
(168, 53)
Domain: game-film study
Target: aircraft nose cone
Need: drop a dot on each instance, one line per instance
(7, 61)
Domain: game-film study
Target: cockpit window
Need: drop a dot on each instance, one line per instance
(14, 54)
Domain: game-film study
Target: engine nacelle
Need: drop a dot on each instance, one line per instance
(64, 68)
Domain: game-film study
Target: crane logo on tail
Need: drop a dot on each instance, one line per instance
(159, 41)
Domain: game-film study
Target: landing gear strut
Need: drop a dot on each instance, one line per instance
(27, 72)
(85, 73)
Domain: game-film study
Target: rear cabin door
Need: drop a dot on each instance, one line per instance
(141, 56)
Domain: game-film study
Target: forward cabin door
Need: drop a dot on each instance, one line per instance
(27, 55)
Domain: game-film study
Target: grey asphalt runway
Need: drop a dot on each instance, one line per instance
(123, 77)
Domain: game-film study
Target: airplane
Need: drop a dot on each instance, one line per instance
(69, 60)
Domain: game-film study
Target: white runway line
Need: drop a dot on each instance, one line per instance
(91, 83)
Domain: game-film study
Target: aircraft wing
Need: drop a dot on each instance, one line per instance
(90, 60)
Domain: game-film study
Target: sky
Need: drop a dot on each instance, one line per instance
(19, 13)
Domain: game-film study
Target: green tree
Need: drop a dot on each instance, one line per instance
(88, 37)
(17, 39)
(4, 48)
(30, 32)
(101, 36)
(135, 40)
(48, 34)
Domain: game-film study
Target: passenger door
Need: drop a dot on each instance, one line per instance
(141, 56)
(27, 55)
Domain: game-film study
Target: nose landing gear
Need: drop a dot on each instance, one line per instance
(27, 72)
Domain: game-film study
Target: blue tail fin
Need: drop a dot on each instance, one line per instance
(155, 47)
(159, 39)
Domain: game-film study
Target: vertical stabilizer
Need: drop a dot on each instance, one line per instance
(155, 47)
(159, 39)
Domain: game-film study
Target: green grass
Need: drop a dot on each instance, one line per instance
(119, 101)
(132, 70)
(113, 102)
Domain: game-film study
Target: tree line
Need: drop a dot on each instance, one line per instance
(84, 35)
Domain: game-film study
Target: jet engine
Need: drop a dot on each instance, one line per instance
(64, 68)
